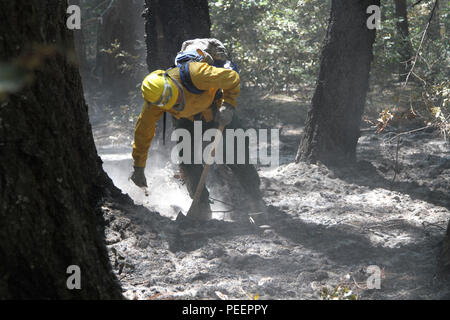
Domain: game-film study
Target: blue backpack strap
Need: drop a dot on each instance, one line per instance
(182, 61)
(187, 80)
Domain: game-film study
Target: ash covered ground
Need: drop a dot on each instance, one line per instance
(322, 230)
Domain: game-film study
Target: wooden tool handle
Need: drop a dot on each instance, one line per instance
(201, 182)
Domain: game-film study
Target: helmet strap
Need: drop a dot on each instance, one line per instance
(166, 95)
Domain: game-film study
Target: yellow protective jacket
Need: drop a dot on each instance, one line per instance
(204, 77)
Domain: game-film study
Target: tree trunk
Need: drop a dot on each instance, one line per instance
(51, 178)
(435, 24)
(118, 27)
(168, 24)
(80, 46)
(445, 254)
(405, 48)
(333, 124)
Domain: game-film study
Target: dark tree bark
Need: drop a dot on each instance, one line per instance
(51, 178)
(80, 45)
(435, 24)
(168, 24)
(445, 254)
(333, 124)
(405, 48)
(81, 50)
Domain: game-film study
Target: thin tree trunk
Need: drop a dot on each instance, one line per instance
(118, 26)
(51, 178)
(333, 124)
(81, 50)
(80, 46)
(171, 22)
(435, 24)
(405, 49)
(445, 254)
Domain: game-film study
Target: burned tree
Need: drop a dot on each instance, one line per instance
(333, 124)
(168, 24)
(80, 45)
(117, 43)
(445, 254)
(51, 177)
(405, 49)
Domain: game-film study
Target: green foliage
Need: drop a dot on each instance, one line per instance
(276, 44)
(388, 46)
(436, 100)
(341, 292)
(127, 64)
(428, 85)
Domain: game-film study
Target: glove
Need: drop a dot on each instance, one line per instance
(138, 177)
(225, 114)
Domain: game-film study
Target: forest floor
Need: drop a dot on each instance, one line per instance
(322, 230)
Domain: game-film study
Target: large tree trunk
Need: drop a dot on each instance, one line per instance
(168, 24)
(333, 124)
(51, 178)
(405, 48)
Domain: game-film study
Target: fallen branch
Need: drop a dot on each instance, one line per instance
(407, 132)
(415, 4)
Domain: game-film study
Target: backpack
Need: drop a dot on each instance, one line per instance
(214, 49)
(182, 61)
(211, 51)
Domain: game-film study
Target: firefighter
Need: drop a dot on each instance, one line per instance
(194, 90)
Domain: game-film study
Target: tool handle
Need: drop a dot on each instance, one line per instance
(201, 182)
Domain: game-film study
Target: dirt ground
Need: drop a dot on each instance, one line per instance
(322, 230)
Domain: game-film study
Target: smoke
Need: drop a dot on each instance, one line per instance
(166, 194)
